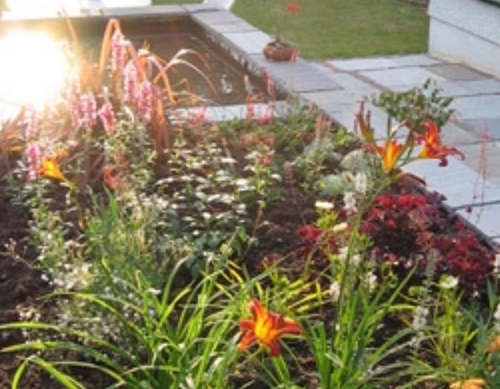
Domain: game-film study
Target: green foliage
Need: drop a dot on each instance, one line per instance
(416, 105)
(174, 337)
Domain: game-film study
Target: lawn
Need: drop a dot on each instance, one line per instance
(343, 28)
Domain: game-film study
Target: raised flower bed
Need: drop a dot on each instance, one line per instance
(182, 253)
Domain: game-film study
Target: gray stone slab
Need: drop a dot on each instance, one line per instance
(457, 72)
(489, 125)
(477, 107)
(458, 182)
(345, 114)
(332, 99)
(454, 135)
(484, 157)
(363, 64)
(408, 76)
(481, 87)
(453, 89)
(147, 10)
(299, 76)
(233, 27)
(446, 88)
(352, 83)
(416, 60)
(250, 42)
(485, 218)
(216, 17)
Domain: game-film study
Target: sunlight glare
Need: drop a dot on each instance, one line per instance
(32, 69)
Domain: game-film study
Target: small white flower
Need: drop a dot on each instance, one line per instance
(324, 205)
(371, 281)
(360, 183)
(340, 227)
(343, 251)
(420, 318)
(335, 291)
(350, 202)
(448, 282)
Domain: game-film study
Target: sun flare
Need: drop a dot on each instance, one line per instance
(32, 70)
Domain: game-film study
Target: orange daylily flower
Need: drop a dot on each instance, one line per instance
(265, 328)
(293, 7)
(471, 383)
(50, 169)
(432, 146)
(390, 154)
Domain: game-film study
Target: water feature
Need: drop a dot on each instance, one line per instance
(165, 35)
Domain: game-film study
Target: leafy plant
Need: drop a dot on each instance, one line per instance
(416, 106)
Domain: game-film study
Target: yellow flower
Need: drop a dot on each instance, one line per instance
(265, 328)
(471, 383)
(50, 169)
(390, 154)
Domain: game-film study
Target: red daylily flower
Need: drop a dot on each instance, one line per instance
(265, 328)
(432, 146)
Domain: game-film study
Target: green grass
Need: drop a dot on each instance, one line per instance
(341, 28)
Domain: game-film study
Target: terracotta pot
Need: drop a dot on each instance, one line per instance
(278, 51)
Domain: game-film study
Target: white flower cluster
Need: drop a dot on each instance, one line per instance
(360, 188)
(418, 325)
(71, 277)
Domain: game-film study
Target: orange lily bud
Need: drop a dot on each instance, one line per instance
(471, 383)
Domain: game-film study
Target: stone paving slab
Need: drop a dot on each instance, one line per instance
(400, 76)
(455, 135)
(213, 17)
(456, 72)
(446, 88)
(491, 126)
(477, 107)
(358, 64)
(484, 218)
(484, 156)
(483, 87)
(461, 184)
(416, 60)
(250, 42)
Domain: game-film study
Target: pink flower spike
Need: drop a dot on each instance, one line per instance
(145, 101)
(108, 118)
